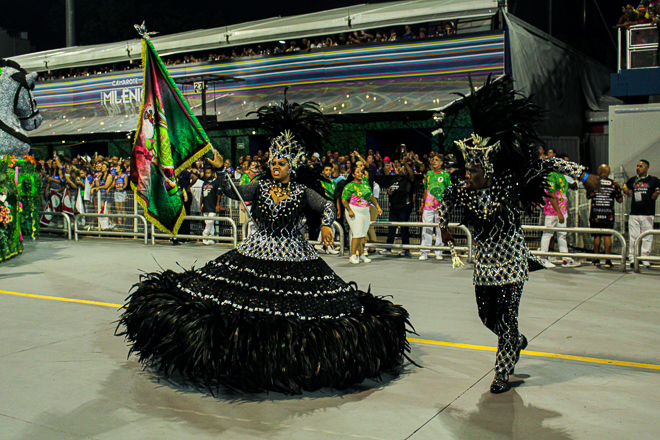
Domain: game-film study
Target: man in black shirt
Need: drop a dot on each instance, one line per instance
(602, 210)
(644, 190)
(400, 196)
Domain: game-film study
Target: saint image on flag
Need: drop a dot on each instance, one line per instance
(168, 138)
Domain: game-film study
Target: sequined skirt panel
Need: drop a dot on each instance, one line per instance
(500, 261)
(305, 290)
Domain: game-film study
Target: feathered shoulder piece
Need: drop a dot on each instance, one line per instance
(305, 122)
(503, 121)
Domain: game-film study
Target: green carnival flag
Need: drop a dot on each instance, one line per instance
(169, 138)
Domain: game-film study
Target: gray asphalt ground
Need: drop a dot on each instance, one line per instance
(65, 376)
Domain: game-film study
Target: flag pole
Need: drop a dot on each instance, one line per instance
(142, 30)
(231, 182)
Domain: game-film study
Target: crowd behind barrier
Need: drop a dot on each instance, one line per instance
(67, 180)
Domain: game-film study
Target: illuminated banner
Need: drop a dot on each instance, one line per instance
(404, 75)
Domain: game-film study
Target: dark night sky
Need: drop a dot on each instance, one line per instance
(112, 20)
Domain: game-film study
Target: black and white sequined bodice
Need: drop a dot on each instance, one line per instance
(500, 250)
(279, 223)
(501, 254)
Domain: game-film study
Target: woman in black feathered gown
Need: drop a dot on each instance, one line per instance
(269, 315)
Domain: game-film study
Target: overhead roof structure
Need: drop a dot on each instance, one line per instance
(353, 18)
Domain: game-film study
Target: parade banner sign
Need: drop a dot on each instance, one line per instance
(168, 139)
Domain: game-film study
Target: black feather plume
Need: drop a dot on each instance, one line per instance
(310, 127)
(499, 112)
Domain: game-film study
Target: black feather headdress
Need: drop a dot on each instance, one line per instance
(308, 125)
(503, 123)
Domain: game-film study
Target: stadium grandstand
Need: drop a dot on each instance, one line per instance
(381, 71)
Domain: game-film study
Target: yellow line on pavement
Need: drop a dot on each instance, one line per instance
(542, 354)
(57, 298)
(421, 341)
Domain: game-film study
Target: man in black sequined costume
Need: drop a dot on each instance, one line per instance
(504, 176)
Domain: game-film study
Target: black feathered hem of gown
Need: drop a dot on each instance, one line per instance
(262, 325)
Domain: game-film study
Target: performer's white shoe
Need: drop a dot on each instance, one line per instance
(365, 258)
(569, 262)
(355, 259)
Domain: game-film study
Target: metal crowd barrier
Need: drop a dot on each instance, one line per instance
(622, 256)
(337, 226)
(638, 250)
(467, 249)
(233, 239)
(67, 223)
(100, 232)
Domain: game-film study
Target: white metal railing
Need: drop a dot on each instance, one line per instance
(233, 239)
(637, 254)
(622, 256)
(638, 46)
(66, 226)
(467, 249)
(99, 232)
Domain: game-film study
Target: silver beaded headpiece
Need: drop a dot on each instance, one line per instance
(476, 151)
(285, 147)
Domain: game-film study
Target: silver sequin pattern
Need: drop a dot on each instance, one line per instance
(278, 236)
(501, 254)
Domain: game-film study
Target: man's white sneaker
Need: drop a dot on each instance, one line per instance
(385, 252)
(332, 251)
(364, 258)
(423, 257)
(438, 257)
(569, 262)
(354, 259)
(547, 264)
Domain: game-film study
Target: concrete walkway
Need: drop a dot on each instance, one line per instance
(592, 369)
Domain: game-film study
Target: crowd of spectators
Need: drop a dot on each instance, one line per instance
(360, 37)
(344, 163)
(647, 12)
(105, 180)
(103, 184)
(64, 178)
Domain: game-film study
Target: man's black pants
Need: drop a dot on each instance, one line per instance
(498, 310)
(399, 216)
